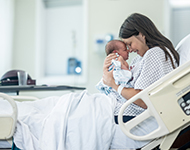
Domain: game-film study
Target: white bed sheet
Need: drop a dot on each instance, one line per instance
(73, 122)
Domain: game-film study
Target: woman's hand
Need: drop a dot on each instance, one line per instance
(108, 75)
(107, 61)
(124, 64)
(108, 78)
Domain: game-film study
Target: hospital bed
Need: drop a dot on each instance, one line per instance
(167, 101)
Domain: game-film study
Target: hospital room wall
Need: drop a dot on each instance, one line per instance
(104, 17)
(6, 30)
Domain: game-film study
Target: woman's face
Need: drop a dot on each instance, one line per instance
(136, 44)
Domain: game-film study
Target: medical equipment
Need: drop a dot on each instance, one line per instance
(74, 66)
(168, 101)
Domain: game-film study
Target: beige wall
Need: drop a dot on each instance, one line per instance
(6, 32)
(104, 16)
(24, 35)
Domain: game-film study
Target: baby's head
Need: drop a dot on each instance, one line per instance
(117, 46)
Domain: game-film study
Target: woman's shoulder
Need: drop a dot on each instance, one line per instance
(155, 52)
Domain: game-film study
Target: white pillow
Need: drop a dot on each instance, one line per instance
(183, 48)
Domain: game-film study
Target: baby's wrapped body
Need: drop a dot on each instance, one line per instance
(121, 76)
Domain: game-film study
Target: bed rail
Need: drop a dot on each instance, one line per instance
(164, 99)
(8, 122)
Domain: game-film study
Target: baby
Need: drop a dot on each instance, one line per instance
(118, 47)
(121, 72)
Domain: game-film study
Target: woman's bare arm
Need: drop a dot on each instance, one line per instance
(128, 93)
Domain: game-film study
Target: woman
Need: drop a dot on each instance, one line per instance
(156, 58)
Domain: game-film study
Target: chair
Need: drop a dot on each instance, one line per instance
(168, 101)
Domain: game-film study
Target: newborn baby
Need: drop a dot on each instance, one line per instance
(121, 73)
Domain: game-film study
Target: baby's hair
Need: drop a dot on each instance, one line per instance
(112, 45)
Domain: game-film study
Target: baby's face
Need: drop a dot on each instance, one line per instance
(122, 51)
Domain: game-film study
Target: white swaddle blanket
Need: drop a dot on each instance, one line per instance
(121, 76)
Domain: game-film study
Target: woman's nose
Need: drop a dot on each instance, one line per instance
(129, 49)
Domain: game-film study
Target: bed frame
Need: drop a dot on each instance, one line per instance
(8, 122)
(168, 101)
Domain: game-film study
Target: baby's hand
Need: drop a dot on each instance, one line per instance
(124, 64)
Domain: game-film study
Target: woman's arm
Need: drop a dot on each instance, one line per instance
(108, 79)
(124, 64)
(128, 93)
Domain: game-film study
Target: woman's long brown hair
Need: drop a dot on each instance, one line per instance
(136, 23)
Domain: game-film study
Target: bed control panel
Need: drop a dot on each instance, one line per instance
(184, 103)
